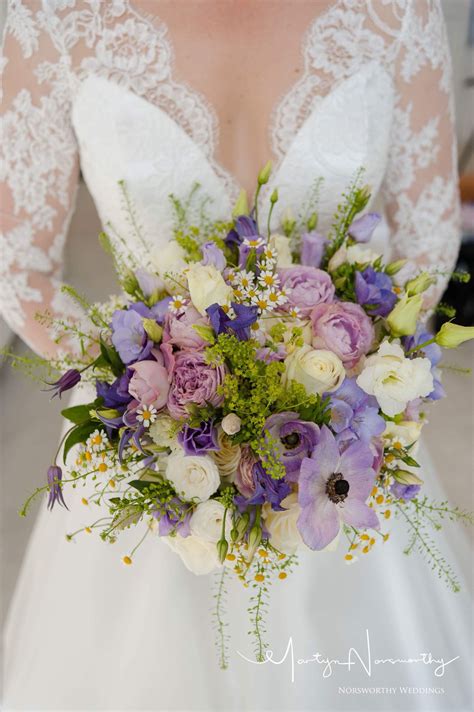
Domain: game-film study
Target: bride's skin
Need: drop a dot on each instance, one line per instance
(243, 56)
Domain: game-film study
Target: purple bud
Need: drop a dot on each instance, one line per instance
(55, 476)
(67, 381)
(362, 228)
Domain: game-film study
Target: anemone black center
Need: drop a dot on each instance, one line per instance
(337, 488)
(291, 440)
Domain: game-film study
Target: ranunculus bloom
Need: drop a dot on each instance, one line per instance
(150, 382)
(295, 440)
(193, 381)
(306, 286)
(179, 329)
(343, 328)
(244, 479)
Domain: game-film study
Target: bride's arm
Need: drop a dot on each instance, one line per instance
(39, 175)
(421, 187)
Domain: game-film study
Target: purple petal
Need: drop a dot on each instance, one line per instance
(326, 453)
(362, 228)
(319, 524)
(358, 514)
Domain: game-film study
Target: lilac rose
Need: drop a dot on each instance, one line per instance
(193, 382)
(307, 286)
(180, 332)
(343, 328)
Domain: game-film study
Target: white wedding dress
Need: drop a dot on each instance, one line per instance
(85, 632)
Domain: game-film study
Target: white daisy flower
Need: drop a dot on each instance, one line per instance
(268, 279)
(146, 414)
(276, 298)
(98, 441)
(245, 279)
(177, 304)
(254, 243)
(103, 463)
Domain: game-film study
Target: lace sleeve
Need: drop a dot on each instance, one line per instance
(421, 187)
(39, 175)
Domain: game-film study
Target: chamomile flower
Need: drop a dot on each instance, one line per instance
(254, 243)
(244, 279)
(104, 463)
(262, 302)
(177, 304)
(268, 279)
(270, 254)
(146, 414)
(98, 441)
(295, 312)
(275, 297)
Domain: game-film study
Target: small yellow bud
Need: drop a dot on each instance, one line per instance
(365, 550)
(365, 537)
(127, 560)
(259, 578)
(264, 175)
(348, 557)
(387, 514)
(112, 484)
(282, 575)
(230, 557)
(380, 499)
(84, 501)
(88, 530)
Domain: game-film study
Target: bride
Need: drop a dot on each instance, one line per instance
(162, 94)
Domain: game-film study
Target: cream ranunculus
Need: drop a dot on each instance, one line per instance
(282, 526)
(194, 477)
(207, 286)
(206, 521)
(407, 432)
(198, 555)
(318, 370)
(227, 457)
(394, 379)
(163, 432)
(170, 260)
(281, 244)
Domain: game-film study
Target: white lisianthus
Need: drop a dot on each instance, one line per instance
(170, 260)
(318, 370)
(394, 379)
(281, 244)
(199, 556)
(351, 255)
(194, 477)
(206, 521)
(228, 456)
(407, 432)
(207, 286)
(163, 432)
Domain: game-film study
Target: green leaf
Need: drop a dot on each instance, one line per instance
(79, 414)
(111, 356)
(78, 434)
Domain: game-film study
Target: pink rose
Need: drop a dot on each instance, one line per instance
(244, 479)
(343, 328)
(179, 329)
(150, 383)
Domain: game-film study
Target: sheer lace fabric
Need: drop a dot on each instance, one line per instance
(51, 48)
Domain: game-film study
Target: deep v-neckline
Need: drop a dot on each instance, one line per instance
(277, 158)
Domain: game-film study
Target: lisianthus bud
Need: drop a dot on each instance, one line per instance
(406, 478)
(419, 284)
(255, 536)
(222, 549)
(450, 336)
(274, 196)
(153, 330)
(242, 524)
(288, 222)
(394, 267)
(241, 207)
(403, 318)
(129, 282)
(264, 175)
(231, 424)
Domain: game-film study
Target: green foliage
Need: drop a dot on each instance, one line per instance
(309, 406)
(354, 201)
(110, 358)
(79, 414)
(78, 434)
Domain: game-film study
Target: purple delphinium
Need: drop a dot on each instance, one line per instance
(115, 395)
(432, 352)
(55, 476)
(361, 229)
(405, 492)
(294, 440)
(198, 441)
(244, 226)
(129, 336)
(312, 248)
(173, 516)
(213, 255)
(222, 323)
(354, 412)
(334, 487)
(374, 291)
(266, 489)
(67, 381)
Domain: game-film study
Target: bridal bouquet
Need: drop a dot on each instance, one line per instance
(257, 393)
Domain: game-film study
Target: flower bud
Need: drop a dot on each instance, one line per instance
(274, 196)
(205, 332)
(255, 536)
(153, 330)
(406, 478)
(264, 175)
(419, 284)
(129, 282)
(222, 549)
(231, 424)
(312, 223)
(403, 318)
(288, 222)
(450, 336)
(241, 207)
(242, 524)
(394, 267)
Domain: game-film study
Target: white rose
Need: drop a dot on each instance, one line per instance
(199, 556)
(194, 477)
(227, 457)
(318, 370)
(407, 432)
(394, 379)
(206, 521)
(162, 432)
(282, 526)
(281, 244)
(170, 259)
(207, 286)
(351, 255)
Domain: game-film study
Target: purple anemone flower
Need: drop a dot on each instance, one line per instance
(174, 516)
(213, 255)
(129, 336)
(55, 476)
(334, 487)
(374, 291)
(361, 229)
(67, 381)
(266, 489)
(222, 323)
(294, 439)
(405, 492)
(199, 441)
(354, 414)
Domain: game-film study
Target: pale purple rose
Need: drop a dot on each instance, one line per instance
(193, 382)
(150, 381)
(179, 329)
(244, 477)
(307, 287)
(312, 248)
(343, 328)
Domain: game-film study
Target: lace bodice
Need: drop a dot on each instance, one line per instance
(91, 84)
